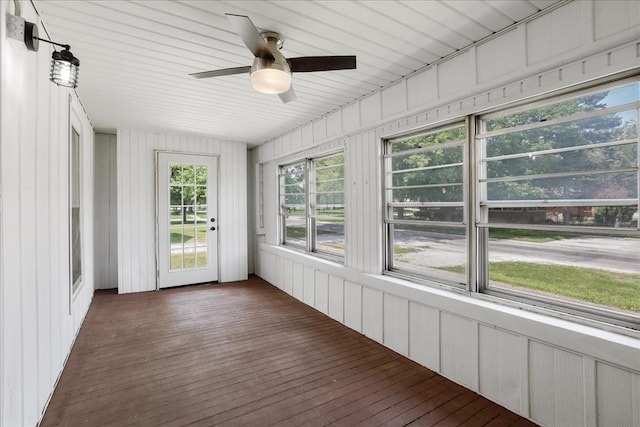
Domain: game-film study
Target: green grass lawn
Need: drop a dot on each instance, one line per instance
(529, 235)
(200, 232)
(399, 250)
(595, 286)
(189, 260)
(301, 232)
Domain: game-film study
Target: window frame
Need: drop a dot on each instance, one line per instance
(310, 214)
(477, 223)
(427, 276)
(549, 301)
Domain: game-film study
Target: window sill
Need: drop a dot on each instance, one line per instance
(317, 255)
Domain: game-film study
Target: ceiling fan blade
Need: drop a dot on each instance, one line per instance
(223, 72)
(322, 63)
(250, 36)
(288, 96)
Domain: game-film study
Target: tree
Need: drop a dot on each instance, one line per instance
(329, 181)
(586, 167)
(293, 190)
(443, 183)
(589, 131)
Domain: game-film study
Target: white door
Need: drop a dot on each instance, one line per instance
(187, 219)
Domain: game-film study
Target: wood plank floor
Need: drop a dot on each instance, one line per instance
(245, 354)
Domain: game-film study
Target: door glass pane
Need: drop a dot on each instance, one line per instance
(188, 216)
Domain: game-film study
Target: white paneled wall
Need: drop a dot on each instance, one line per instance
(500, 355)
(39, 319)
(106, 242)
(555, 372)
(361, 219)
(136, 204)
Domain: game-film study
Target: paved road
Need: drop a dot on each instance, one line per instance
(605, 253)
(440, 250)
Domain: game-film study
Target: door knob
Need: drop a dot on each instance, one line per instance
(213, 228)
(213, 220)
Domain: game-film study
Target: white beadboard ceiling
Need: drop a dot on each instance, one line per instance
(136, 55)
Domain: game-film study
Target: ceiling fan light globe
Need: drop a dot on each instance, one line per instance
(272, 77)
(271, 80)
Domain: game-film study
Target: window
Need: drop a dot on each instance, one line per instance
(558, 203)
(312, 205)
(75, 215)
(551, 193)
(425, 204)
(259, 171)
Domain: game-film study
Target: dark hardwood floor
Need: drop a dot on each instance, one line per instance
(240, 354)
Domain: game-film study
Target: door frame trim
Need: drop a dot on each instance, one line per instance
(156, 154)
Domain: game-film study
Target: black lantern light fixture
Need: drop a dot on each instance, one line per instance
(64, 66)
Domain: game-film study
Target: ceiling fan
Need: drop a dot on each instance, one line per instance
(271, 71)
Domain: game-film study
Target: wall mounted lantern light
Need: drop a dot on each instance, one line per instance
(64, 66)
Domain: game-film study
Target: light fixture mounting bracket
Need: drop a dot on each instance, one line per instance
(20, 29)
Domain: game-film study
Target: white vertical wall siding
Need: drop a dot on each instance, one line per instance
(267, 262)
(396, 324)
(617, 390)
(38, 319)
(456, 76)
(336, 298)
(362, 186)
(350, 117)
(614, 17)
(297, 277)
(555, 33)
(372, 312)
(136, 204)
(552, 371)
(334, 124)
(500, 358)
(422, 88)
(353, 305)
(498, 57)
(371, 109)
(309, 285)
(321, 298)
(394, 99)
(320, 129)
(232, 210)
(424, 335)
(555, 376)
(458, 349)
(287, 273)
(280, 273)
(106, 254)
